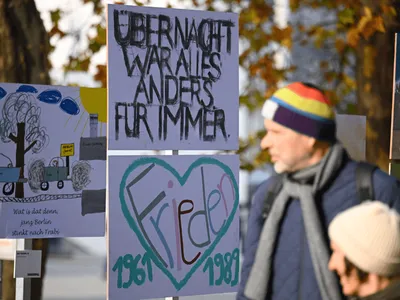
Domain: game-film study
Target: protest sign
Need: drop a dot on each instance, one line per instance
(395, 130)
(52, 161)
(173, 226)
(354, 140)
(172, 79)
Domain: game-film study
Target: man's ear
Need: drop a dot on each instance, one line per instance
(311, 143)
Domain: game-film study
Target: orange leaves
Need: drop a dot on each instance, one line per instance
(101, 75)
(352, 37)
(262, 67)
(282, 36)
(369, 24)
(366, 27)
(256, 14)
(244, 56)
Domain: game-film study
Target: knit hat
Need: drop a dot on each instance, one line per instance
(302, 108)
(369, 236)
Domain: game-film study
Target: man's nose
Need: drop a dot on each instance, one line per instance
(265, 142)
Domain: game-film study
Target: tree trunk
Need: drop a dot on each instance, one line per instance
(24, 52)
(374, 77)
(20, 158)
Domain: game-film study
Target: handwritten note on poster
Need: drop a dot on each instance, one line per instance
(52, 161)
(173, 226)
(173, 79)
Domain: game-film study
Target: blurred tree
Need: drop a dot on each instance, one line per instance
(23, 59)
(359, 34)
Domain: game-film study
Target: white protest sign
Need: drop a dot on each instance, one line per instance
(52, 161)
(394, 152)
(173, 79)
(351, 130)
(173, 226)
(28, 264)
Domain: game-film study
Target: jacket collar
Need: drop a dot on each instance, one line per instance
(392, 292)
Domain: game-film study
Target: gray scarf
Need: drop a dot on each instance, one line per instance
(295, 186)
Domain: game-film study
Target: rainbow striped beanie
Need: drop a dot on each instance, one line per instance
(302, 108)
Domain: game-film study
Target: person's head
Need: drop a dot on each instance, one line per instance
(300, 126)
(365, 242)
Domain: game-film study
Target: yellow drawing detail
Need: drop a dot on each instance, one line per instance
(94, 101)
(67, 150)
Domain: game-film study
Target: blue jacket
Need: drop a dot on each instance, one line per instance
(293, 275)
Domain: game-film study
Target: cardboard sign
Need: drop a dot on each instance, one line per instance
(351, 130)
(173, 79)
(43, 179)
(395, 130)
(28, 264)
(173, 226)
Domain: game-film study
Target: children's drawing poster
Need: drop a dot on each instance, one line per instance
(52, 161)
(173, 226)
(173, 79)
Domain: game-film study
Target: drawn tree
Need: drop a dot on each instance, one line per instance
(20, 124)
(24, 59)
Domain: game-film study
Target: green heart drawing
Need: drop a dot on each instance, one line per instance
(182, 180)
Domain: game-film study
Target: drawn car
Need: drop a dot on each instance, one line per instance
(53, 173)
(9, 175)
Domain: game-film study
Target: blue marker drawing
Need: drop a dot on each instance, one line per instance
(69, 106)
(2, 93)
(50, 96)
(27, 89)
(9, 174)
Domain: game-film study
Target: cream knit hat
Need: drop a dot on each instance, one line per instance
(369, 236)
